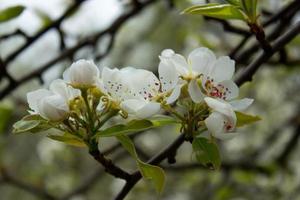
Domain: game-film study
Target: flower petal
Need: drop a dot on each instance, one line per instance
(175, 94)
(53, 107)
(131, 106)
(59, 87)
(177, 60)
(168, 75)
(148, 110)
(242, 104)
(195, 91)
(222, 107)
(201, 60)
(225, 136)
(214, 123)
(231, 89)
(35, 96)
(223, 69)
(142, 83)
(82, 72)
(140, 108)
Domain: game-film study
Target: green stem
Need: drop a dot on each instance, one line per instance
(108, 116)
(169, 109)
(90, 114)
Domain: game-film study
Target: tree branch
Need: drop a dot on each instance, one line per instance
(8, 178)
(83, 43)
(246, 75)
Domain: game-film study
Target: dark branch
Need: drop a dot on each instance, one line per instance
(8, 178)
(71, 51)
(246, 75)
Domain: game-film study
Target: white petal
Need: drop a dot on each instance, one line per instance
(242, 104)
(223, 69)
(175, 94)
(177, 60)
(231, 89)
(53, 108)
(225, 136)
(113, 83)
(141, 82)
(214, 123)
(131, 106)
(35, 96)
(201, 60)
(168, 75)
(167, 53)
(82, 72)
(148, 110)
(59, 87)
(195, 91)
(221, 107)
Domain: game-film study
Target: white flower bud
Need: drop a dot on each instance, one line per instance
(82, 72)
(53, 108)
(47, 104)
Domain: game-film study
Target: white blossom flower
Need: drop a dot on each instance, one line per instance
(82, 73)
(221, 123)
(132, 89)
(52, 104)
(215, 74)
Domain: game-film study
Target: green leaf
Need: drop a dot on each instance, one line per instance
(127, 144)
(153, 173)
(150, 172)
(68, 139)
(220, 11)
(244, 119)
(135, 126)
(234, 2)
(207, 152)
(249, 6)
(10, 13)
(32, 124)
(132, 126)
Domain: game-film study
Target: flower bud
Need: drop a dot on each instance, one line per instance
(82, 73)
(53, 108)
(47, 104)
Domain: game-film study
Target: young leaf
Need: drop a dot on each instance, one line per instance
(135, 126)
(244, 119)
(220, 11)
(234, 2)
(207, 152)
(132, 126)
(151, 172)
(68, 139)
(249, 6)
(10, 13)
(32, 124)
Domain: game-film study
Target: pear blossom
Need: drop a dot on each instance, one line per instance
(221, 123)
(132, 89)
(82, 73)
(52, 104)
(202, 66)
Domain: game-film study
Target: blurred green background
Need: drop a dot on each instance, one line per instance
(257, 164)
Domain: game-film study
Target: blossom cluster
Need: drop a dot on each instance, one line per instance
(198, 90)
